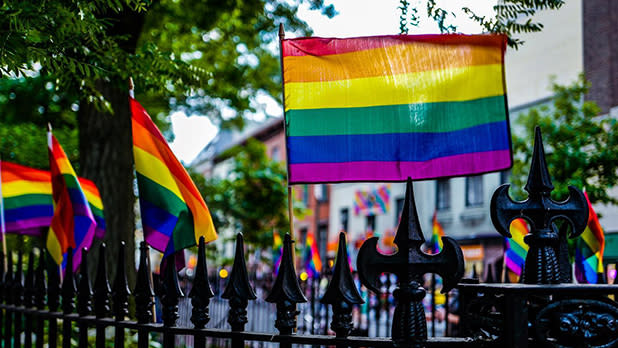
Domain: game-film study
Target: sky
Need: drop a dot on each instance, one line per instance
(355, 18)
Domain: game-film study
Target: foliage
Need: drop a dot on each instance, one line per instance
(511, 17)
(581, 148)
(252, 198)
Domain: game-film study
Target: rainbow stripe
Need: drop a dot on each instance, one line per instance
(436, 235)
(387, 107)
(28, 204)
(313, 262)
(174, 214)
(277, 249)
(515, 247)
(73, 224)
(589, 249)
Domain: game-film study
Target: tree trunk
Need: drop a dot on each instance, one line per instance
(105, 145)
(107, 159)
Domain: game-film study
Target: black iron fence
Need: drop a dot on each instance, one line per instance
(544, 310)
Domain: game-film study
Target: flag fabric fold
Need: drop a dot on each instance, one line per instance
(28, 204)
(174, 214)
(436, 235)
(73, 224)
(515, 248)
(589, 249)
(386, 108)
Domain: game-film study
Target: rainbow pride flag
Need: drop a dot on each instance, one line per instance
(515, 248)
(589, 249)
(436, 235)
(28, 204)
(313, 262)
(386, 108)
(174, 214)
(277, 250)
(73, 223)
(373, 202)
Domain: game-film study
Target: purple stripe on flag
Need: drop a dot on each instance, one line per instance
(465, 164)
(17, 226)
(513, 266)
(155, 238)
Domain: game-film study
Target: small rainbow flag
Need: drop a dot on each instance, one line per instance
(436, 235)
(73, 223)
(515, 247)
(589, 250)
(373, 202)
(277, 249)
(27, 200)
(386, 108)
(313, 263)
(174, 214)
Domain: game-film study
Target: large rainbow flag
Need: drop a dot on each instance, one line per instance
(28, 204)
(589, 249)
(436, 235)
(313, 262)
(73, 223)
(515, 248)
(386, 108)
(174, 214)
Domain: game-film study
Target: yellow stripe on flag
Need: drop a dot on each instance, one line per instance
(152, 168)
(457, 84)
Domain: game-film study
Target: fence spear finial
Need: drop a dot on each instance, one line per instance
(201, 293)
(342, 293)
(238, 290)
(286, 292)
(101, 286)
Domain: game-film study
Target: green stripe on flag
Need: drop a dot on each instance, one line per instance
(160, 196)
(407, 118)
(26, 200)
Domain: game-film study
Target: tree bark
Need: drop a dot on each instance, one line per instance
(105, 145)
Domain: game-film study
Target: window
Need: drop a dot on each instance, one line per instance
(275, 155)
(320, 191)
(443, 194)
(399, 207)
(322, 240)
(474, 191)
(344, 216)
(371, 223)
(306, 195)
(303, 236)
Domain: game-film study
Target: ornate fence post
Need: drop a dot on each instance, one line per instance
(342, 293)
(29, 299)
(286, 293)
(40, 288)
(101, 296)
(18, 298)
(540, 211)
(409, 264)
(144, 296)
(84, 299)
(53, 301)
(238, 291)
(170, 295)
(200, 295)
(121, 295)
(68, 299)
(8, 300)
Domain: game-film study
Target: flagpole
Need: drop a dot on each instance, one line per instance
(290, 190)
(2, 223)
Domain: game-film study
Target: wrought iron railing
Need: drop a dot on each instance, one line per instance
(543, 310)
